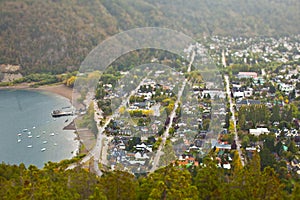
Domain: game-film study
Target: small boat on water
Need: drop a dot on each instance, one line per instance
(55, 144)
(43, 149)
(38, 136)
(44, 132)
(29, 146)
(19, 140)
(29, 136)
(33, 127)
(29, 133)
(45, 142)
(19, 134)
(25, 130)
(52, 134)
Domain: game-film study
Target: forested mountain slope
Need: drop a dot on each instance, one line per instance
(50, 35)
(170, 183)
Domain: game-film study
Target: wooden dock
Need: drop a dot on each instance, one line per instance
(59, 113)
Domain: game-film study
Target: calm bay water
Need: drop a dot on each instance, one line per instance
(23, 109)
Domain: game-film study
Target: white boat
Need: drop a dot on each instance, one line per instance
(55, 144)
(44, 132)
(38, 136)
(29, 133)
(19, 134)
(30, 136)
(52, 134)
(33, 127)
(45, 142)
(29, 146)
(19, 140)
(25, 130)
(43, 149)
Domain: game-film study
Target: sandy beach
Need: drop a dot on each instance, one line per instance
(60, 89)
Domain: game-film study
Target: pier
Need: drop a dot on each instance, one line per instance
(59, 113)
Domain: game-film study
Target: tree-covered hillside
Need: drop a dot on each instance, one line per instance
(55, 35)
(169, 183)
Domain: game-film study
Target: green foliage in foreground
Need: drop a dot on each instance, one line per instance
(171, 182)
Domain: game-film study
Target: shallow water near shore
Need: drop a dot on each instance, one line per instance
(28, 133)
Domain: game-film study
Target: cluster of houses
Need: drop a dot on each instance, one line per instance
(190, 139)
(269, 49)
(263, 86)
(196, 139)
(135, 160)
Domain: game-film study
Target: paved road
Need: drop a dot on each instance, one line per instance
(96, 152)
(233, 117)
(99, 145)
(223, 59)
(165, 135)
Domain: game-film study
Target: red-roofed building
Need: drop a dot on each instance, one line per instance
(187, 160)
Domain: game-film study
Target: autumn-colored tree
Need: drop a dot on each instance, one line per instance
(237, 163)
(70, 82)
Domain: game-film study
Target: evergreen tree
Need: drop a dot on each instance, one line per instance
(168, 183)
(275, 117)
(119, 185)
(210, 181)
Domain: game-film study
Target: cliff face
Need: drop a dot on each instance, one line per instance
(9, 73)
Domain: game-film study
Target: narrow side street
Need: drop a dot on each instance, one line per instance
(233, 118)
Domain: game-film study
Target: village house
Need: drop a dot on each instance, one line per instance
(259, 131)
(286, 88)
(246, 75)
(185, 160)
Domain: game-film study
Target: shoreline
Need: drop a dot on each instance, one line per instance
(59, 89)
(66, 92)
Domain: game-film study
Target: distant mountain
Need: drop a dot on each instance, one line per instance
(55, 35)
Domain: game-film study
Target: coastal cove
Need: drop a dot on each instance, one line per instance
(28, 132)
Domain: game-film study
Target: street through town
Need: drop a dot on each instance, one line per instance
(165, 135)
(233, 118)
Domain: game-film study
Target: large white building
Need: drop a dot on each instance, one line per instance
(259, 131)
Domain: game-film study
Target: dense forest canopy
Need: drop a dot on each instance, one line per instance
(55, 35)
(168, 183)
